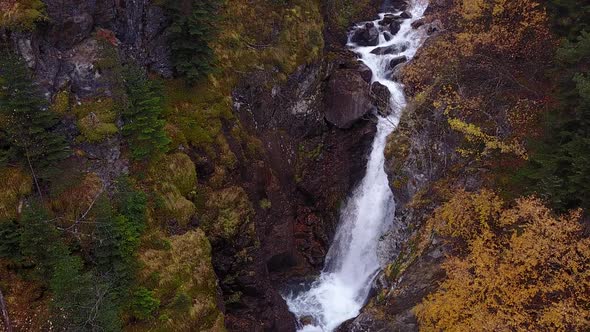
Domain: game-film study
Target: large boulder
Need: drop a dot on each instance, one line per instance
(380, 95)
(182, 270)
(347, 98)
(418, 23)
(406, 15)
(394, 5)
(394, 27)
(397, 60)
(387, 19)
(366, 36)
(365, 72)
(391, 49)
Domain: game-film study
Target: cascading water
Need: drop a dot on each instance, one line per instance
(351, 264)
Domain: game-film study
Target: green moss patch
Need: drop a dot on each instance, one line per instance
(175, 178)
(183, 281)
(96, 119)
(228, 212)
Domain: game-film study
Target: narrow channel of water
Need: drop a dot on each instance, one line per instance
(351, 264)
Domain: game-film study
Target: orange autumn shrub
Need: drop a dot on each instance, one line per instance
(531, 275)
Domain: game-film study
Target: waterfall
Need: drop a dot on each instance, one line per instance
(351, 264)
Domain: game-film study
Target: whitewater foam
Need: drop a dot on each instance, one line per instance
(351, 263)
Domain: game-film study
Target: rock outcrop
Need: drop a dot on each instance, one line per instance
(380, 95)
(308, 169)
(347, 98)
(366, 36)
(62, 51)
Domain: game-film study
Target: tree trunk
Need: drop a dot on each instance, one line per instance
(4, 311)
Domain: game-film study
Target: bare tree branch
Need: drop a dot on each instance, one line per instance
(4, 311)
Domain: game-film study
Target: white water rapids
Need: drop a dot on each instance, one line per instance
(351, 263)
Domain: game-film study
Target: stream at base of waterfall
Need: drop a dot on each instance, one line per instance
(344, 284)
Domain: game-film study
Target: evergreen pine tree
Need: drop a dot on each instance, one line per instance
(117, 240)
(9, 240)
(39, 240)
(192, 28)
(27, 134)
(80, 300)
(559, 170)
(143, 126)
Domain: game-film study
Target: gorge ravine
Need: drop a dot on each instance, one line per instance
(352, 263)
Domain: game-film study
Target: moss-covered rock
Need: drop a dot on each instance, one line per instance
(252, 42)
(226, 156)
(179, 170)
(175, 205)
(183, 280)
(228, 210)
(61, 102)
(175, 177)
(96, 119)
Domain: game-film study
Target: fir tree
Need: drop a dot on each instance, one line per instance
(191, 31)
(80, 300)
(9, 240)
(27, 126)
(559, 170)
(117, 240)
(143, 126)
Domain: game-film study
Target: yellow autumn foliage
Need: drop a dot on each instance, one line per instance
(474, 134)
(466, 215)
(534, 275)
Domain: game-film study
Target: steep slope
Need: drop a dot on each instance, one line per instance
(480, 90)
(252, 163)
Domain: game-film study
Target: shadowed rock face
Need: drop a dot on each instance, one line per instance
(380, 96)
(310, 165)
(366, 36)
(347, 98)
(53, 50)
(394, 5)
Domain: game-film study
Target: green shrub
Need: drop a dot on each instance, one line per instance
(144, 303)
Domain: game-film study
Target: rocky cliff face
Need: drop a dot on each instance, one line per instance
(62, 51)
(315, 129)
